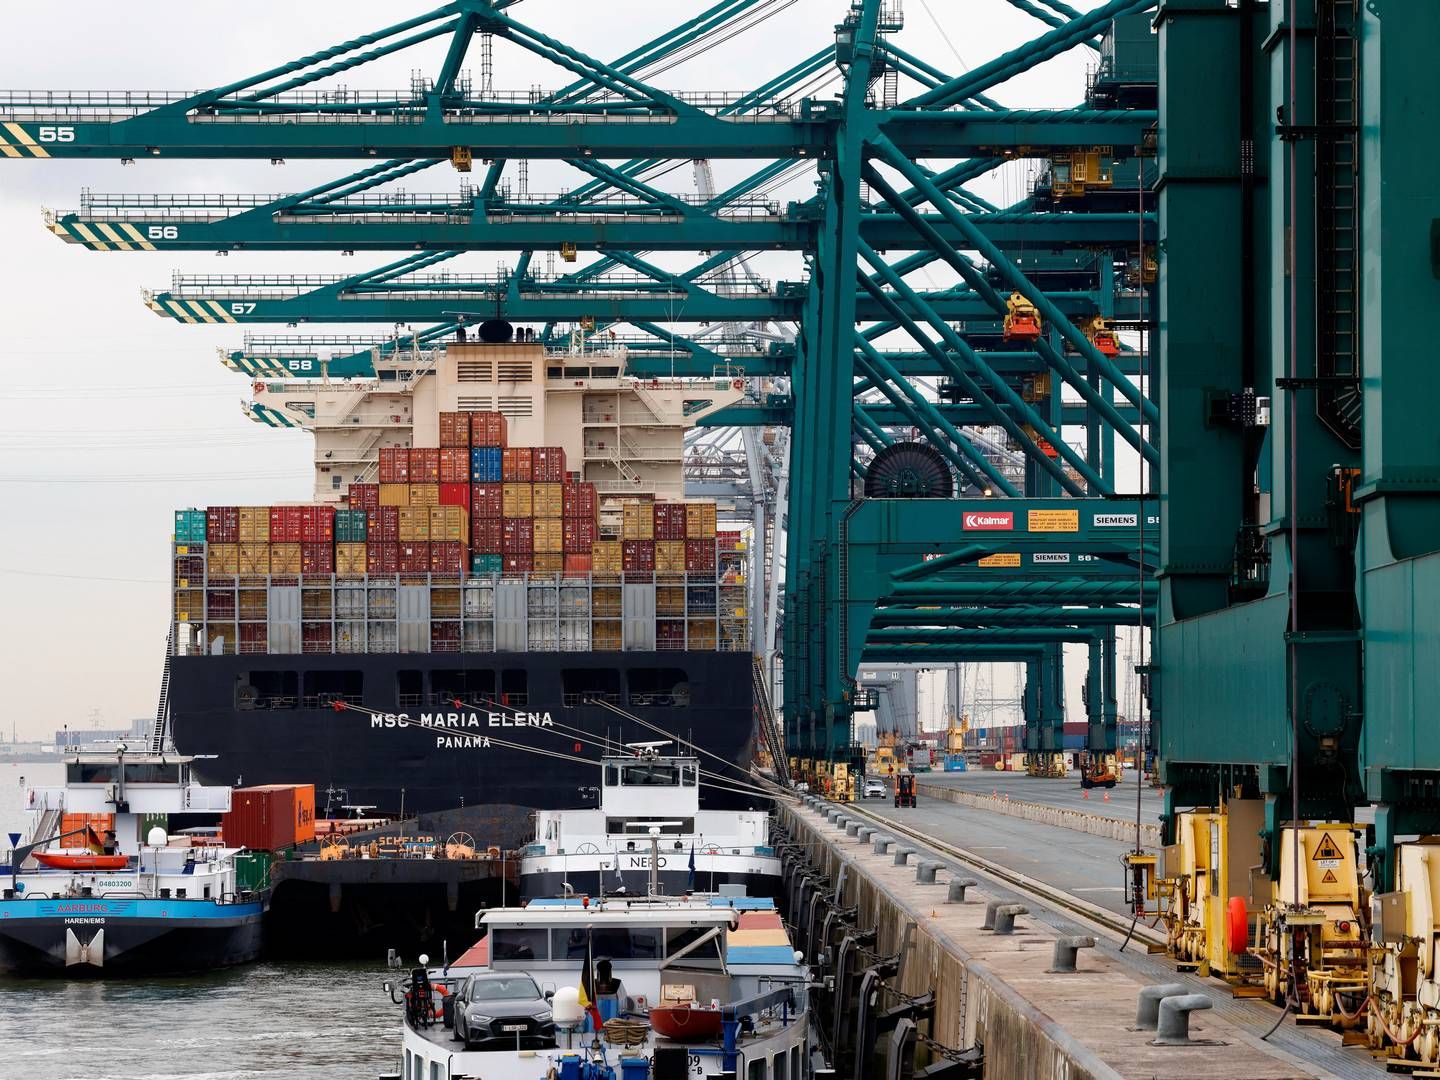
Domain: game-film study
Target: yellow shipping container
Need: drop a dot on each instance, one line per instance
(424, 494)
(223, 560)
(669, 556)
(189, 603)
(255, 561)
(637, 521)
(701, 634)
(350, 560)
(549, 536)
(549, 563)
(549, 500)
(284, 558)
(605, 636)
(700, 520)
(415, 524)
(517, 500)
(669, 599)
(449, 523)
(606, 557)
(394, 494)
(255, 524)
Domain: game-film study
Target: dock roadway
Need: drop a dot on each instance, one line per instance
(1065, 793)
(1007, 854)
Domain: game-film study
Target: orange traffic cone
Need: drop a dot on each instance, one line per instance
(1084, 794)
(1107, 796)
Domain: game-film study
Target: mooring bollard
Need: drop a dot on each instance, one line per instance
(1062, 960)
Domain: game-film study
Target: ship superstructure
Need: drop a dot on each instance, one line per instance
(623, 434)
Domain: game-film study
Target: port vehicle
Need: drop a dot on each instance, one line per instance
(500, 561)
(875, 789)
(607, 849)
(121, 903)
(905, 789)
(505, 1008)
(689, 986)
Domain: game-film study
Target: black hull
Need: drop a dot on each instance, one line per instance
(131, 947)
(672, 883)
(267, 719)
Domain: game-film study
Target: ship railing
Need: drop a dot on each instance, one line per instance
(45, 799)
(325, 701)
(571, 700)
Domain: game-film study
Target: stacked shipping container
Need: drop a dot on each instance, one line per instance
(460, 515)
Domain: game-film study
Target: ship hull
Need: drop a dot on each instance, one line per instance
(106, 938)
(401, 743)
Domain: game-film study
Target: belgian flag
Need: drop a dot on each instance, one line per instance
(587, 986)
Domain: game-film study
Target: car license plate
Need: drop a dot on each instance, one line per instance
(512, 1027)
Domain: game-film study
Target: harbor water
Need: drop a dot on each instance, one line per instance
(296, 1021)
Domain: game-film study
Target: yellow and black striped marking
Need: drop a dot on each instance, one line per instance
(16, 141)
(101, 235)
(191, 311)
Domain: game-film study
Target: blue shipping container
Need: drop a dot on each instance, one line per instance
(1072, 742)
(487, 564)
(189, 526)
(485, 465)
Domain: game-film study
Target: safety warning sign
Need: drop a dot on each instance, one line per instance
(1329, 878)
(1053, 520)
(1006, 560)
(1327, 850)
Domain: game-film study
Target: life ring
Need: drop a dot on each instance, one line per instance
(738, 384)
(711, 850)
(258, 388)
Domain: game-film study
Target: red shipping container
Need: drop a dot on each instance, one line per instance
(580, 501)
(382, 525)
(487, 500)
(700, 556)
(579, 536)
(516, 465)
(577, 564)
(362, 497)
(669, 521)
(548, 465)
(382, 559)
(253, 638)
(317, 524)
(287, 524)
(637, 556)
(517, 536)
(222, 525)
(425, 465)
(317, 558)
(270, 818)
(315, 637)
(486, 536)
(394, 465)
(445, 637)
(519, 564)
(455, 430)
(448, 557)
(729, 541)
(455, 495)
(454, 465)
(415, 558)
(487, 429)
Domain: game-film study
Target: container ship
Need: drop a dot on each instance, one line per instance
(498, 576)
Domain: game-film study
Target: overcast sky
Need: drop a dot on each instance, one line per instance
(111, 417)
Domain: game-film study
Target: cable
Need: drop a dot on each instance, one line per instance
(83, 577)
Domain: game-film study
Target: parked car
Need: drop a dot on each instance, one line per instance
(874, 789)
(506, 1008)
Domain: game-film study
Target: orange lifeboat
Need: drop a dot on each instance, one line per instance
(58, 861)
(686, 1023)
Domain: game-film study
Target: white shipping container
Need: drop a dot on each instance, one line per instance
(350, 635)
(479, 637)
(349, 604)
(543, 637)
(382, 637)
(382, 602)
(574, 635)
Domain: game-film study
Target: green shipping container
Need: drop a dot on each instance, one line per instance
(189, 526)
(252, 871)
(487, 564)
(349, 526)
